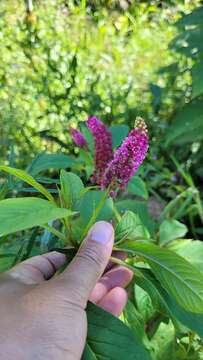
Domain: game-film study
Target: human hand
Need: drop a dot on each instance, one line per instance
(47, 319)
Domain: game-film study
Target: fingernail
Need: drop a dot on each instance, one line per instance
(101, 232)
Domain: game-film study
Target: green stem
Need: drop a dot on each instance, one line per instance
(122, 263)
(95, 214)
(199, 205)
(192, 225)
(116, 213)
(173, 203)
(57, 233)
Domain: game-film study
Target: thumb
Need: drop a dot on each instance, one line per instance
(89, 263)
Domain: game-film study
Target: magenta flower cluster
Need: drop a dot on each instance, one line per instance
(78, 138)
(127, 158)
(102, 147)
(114, 170)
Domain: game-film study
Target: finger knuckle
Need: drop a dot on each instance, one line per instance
(93, 257)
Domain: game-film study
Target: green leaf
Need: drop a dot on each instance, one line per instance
(194, 18)
(182, 280)
(145, 282)
(24, 213)
(88, 136)
(71, 188)
(131, 227)
(137, 187)
(28, 179)
(146, 305)
(86, 158)
(88, 353)
(134, 320)
(191, 250)
(187, 124)
(109, 338)
(164, 342)
(3, 191)
(90, 202)
(197, 79)
(140, 208)
(170, 230)
(119, 132)
(6, 261)
(49, 161)
(188, 42)
(192, 320)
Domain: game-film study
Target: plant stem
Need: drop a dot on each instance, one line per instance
(30, 244)
(116, 213)
(95, 214)
(199, 205)
(122, 263)
(54, 231)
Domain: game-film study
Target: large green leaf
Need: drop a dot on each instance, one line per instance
(187, 124)
(182, 280)
(89, 203)
(192, 320)
(109, 338)
(189, 42)
(164, 341)
(146, 305)
(197, 79)
(131, 227)
(119, 132)
(135, 321)
(171, 229)
(49, 161)
(6, 261)
(140, 208)
(23, 213)
(71, 187)
(191, 250)
(194, 18)
(151, 295)
(137, 187)
(28, 179)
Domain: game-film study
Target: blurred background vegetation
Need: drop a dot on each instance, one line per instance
(64, 60)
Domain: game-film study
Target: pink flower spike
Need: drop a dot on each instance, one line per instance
(78, 138)
(102, 147)
(127, 158)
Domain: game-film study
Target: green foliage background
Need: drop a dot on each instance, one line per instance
(62, 62)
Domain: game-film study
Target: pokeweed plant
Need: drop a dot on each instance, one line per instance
(167, 291)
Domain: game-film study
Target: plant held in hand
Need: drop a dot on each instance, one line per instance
(167, 286)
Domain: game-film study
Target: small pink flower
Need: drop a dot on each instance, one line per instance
(102, 147)
(127, 158)
(78, 138)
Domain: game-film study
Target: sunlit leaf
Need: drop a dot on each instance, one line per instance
(171, 229)
(71, 188)
(24, 213)
(182, 280)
